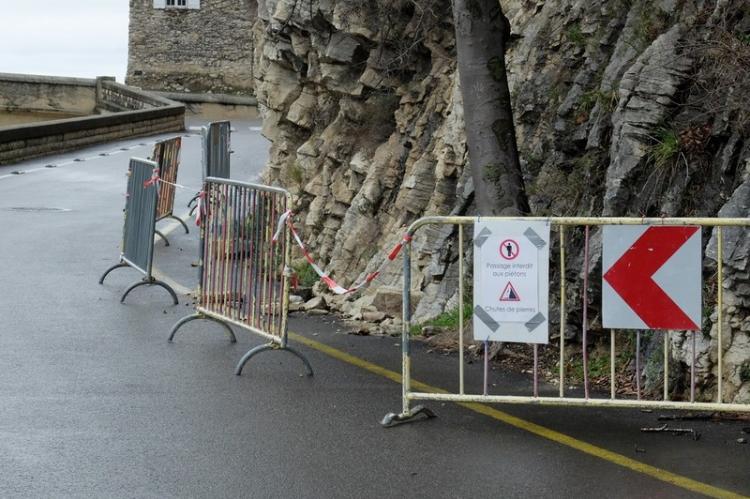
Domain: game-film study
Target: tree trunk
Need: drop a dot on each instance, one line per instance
(482, 31)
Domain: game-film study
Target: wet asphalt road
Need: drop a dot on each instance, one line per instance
(95, 403)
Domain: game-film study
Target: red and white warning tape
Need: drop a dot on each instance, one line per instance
(199, 212)
(154, 178)
(286, 219)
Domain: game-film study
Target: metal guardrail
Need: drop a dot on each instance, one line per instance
(167, 155)
(244, 278)
(139, 227)
(408, 412)
(215, 142)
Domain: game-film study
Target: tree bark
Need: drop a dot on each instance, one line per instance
(482, 31)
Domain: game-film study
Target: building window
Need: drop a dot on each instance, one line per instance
(177, 4)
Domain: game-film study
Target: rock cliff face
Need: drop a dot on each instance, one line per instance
(623, 107)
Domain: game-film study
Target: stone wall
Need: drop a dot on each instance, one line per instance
(48, 94)
(127, 113)
(209, 49)
(622, 107)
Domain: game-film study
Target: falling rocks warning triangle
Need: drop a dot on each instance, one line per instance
(509, 293)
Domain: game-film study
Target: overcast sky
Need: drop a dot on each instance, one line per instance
(70, 38)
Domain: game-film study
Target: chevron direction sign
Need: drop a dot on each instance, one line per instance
(651, 277)
(511, 281)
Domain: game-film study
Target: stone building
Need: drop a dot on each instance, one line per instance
(192, 45)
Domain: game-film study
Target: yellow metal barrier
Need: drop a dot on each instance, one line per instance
(561, 223)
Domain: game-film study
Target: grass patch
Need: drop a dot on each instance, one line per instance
(448, 319)
(575, 35)
(305, 273)
(296, 175)
(599, 365)
(665, 148)
(606, 100)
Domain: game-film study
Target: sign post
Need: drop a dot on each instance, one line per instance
(511, 281)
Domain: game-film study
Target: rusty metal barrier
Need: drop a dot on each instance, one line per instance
(216, 151)
(560, 224)
(167, 155)
(139, 227)
(244, 275)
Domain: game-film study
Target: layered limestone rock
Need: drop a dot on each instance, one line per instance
(622, 108)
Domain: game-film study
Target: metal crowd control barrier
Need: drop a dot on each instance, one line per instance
(409, 413)
(167, 155)
(139, 227)
(243, 273)
(216, 142)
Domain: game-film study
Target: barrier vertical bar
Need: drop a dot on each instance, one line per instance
(720, 306)
(562, 310)
(638, 364)
(243, 254)
(461, 309)
(228, 236)
(264, 266)
(407, 413)
(405, 330)
(536, 370)
(486, 366)
(692, 368)
(285, 291)
(666, 365)
(612, 364)
(585, 312)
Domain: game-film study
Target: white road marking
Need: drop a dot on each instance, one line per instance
(89, 158)
(178, 288)
(168, 229)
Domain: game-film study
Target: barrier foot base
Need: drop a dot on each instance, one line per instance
(418, 413)
(196, 317)
(113, 267)
(193, 200)
(166, 241)
(150, 282)
(184, 225)
(272, 346)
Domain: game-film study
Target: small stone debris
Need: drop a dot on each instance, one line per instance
(674, 431)
(317, 312)
(741, 440)
(315, 303)
(686, 417)
(373, 316)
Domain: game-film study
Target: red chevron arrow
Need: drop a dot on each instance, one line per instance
(632, 277)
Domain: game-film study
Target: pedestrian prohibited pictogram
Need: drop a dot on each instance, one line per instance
(511, 280)
(509, 293)
(509, 249)
(652, 277)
